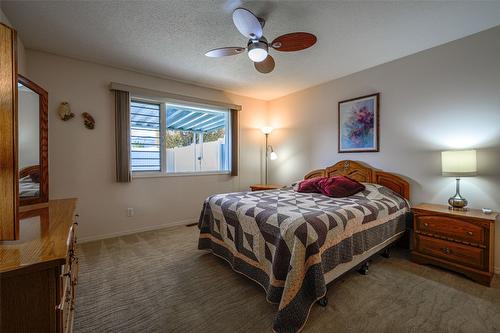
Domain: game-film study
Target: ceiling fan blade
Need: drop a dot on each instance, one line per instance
(247, 23)
(265, 66)
(224, 52)
(294, 41)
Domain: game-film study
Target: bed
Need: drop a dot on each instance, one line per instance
(29, 182)
(294, 244)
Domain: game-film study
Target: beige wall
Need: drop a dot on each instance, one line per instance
(447, 97)
(81, 161)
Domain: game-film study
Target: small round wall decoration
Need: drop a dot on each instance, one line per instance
(64, 111)
(88, 120)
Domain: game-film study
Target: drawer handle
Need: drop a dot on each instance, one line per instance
(446, 250)
(426, 224)
(469, 233)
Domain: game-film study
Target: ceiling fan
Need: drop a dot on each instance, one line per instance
(258, 47)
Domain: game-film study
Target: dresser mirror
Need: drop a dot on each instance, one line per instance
(32, 142)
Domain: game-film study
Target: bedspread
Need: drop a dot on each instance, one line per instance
(286, 240)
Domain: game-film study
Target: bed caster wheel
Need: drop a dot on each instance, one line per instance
(364, 269)
(323, 301)
(386, 253)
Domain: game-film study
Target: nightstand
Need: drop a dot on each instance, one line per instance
(262, 187)
(462, 241)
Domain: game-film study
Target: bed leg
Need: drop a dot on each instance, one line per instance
(323, 301)
(364, 268)
(387, 252)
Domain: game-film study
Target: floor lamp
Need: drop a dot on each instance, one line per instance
(270, 154)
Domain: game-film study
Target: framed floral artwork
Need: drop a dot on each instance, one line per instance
(359, 124)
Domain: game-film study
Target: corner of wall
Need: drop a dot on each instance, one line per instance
(3, 18)
(21, 51)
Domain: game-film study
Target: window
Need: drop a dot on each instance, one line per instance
(172, 138)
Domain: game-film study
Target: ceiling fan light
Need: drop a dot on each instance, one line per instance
(257, 55)
(257, 51)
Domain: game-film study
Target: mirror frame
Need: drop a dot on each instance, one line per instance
(43, 141)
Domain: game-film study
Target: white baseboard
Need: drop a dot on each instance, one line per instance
(135, 231)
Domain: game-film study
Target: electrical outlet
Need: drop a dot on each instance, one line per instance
(130, 212)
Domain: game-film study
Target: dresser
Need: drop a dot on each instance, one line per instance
(39, 271)
(462, 241)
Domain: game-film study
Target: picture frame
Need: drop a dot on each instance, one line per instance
(358, 124)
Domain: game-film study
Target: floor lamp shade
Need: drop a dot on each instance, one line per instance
(266, 130)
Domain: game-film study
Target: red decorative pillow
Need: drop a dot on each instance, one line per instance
(310, 185)
(339, 186)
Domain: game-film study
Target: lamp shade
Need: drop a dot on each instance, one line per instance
(459, 163)
(266, 130)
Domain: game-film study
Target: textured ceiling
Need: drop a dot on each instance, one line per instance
(169, 38)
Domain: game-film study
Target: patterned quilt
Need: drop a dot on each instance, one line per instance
(286, 240)
(28, 188)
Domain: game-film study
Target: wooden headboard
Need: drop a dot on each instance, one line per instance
(365, 174)
(33, 171)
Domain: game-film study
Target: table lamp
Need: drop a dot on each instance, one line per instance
(458, 163)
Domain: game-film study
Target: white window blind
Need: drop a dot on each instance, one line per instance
(145, 136)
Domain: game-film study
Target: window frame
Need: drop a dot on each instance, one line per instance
(163, 124)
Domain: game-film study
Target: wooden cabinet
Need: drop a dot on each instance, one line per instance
(68, 281)
(39, 272)
(8, 133)
(262, 187)
(462, 241)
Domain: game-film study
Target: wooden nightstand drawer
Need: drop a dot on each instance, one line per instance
(451, 251)
(450, 227)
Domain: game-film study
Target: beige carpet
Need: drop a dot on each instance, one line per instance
(159, 282)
